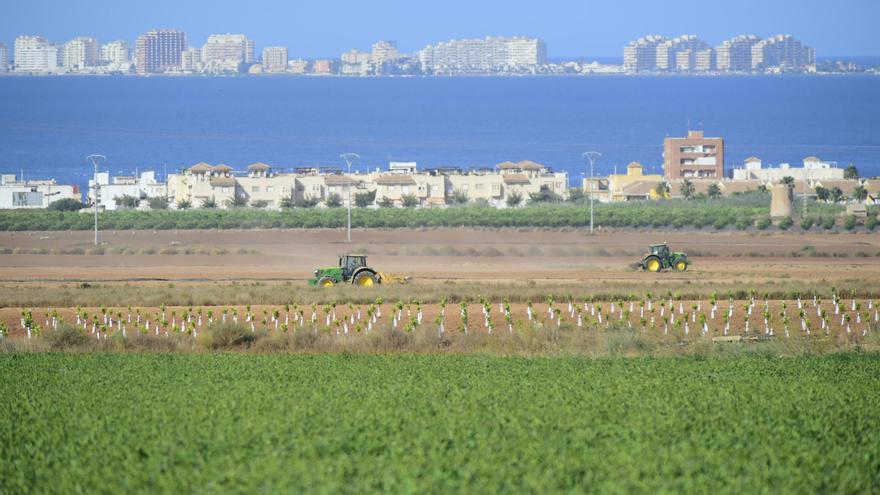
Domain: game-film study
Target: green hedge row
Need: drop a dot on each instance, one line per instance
(673, 215)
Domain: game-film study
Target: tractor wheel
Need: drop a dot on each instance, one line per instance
(326, 282)
(652, 264)
(365, 279)
(680, 265)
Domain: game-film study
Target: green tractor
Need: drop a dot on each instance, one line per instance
(352, 269)
(660, 258)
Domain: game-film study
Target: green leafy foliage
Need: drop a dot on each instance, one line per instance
(364, 199)
(786, 223)
(66, 204)
(334, 200)
(421, 424)
(740, 211)
(514, 199)
(158, 203)
(127, 201)
(409, 200)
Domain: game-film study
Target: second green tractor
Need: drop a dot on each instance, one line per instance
(660, 258)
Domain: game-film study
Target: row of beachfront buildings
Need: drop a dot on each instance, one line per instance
(403, 183)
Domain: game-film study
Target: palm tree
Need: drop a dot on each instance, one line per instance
(687, 189)
(822, 193)
(851, 172)
(714, 191)
(835, 194)
(860, 193)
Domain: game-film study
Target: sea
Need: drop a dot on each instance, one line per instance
(48, 125)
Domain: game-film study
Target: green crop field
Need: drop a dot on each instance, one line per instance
(136, 423)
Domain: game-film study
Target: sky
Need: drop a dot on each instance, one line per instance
(571, 28)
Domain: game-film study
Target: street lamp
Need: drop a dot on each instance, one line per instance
(349, 158)
(96, 159)
(592, 156)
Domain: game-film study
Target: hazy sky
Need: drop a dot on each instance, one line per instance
(570, 27)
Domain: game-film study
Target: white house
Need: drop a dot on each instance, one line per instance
(15, 194)
(109, 189)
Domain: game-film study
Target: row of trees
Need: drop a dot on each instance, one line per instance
(827, 195)
(672, 213)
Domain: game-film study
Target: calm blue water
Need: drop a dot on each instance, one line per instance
(48, 125)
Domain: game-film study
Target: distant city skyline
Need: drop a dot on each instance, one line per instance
(570, 28)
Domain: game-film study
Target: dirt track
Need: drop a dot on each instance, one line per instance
(479, 255)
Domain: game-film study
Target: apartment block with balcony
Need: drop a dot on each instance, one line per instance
(275, 59)
(227, 52)
(79, 54)
(35, 54)
(159, 51)
(491, 54)
(641, 55)
(694, 156)
(735, 54)
(782, 53)
(680, 54)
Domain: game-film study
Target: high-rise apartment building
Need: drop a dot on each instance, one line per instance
(491, 54)
(322, 66)
(384, 51)
(735, 54)
(79, 53)
(4, 58)
(275, 59)
(641, 55)
(159, 50)
(782, 52)
(355, 63)
(191, 60)
(227, 52)
(116, 53)
(35, 54)
(694, 156)
(668, 52)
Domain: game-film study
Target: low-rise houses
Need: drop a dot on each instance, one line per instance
(813, 169)
(507, 184)
(19, 194)
(111, 191)
(402, 183)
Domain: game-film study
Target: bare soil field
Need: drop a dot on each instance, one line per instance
(489, 255)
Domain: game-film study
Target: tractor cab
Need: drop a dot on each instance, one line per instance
(660, 250)
(350, 263)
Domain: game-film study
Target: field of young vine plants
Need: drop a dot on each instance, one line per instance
(589, 324)
(142, 423)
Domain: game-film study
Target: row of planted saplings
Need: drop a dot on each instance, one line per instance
(669, 315)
